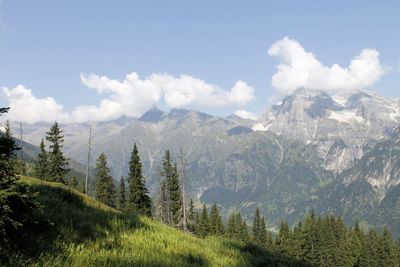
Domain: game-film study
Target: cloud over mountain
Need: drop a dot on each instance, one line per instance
(28, 108)
(299, 68)
(132, 96)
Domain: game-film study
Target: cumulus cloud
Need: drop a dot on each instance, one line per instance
(187, 90)
(300, 68)
(246, 114)
(26, 107)
(131, 96)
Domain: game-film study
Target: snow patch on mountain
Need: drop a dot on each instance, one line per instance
(346, 116)
(260, 127)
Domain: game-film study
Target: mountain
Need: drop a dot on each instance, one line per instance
(29, 152)
(309, 145)
(342, 130)
(371, 188)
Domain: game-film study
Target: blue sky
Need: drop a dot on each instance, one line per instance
(46, 45)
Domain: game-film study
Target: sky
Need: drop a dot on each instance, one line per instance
(77, 61)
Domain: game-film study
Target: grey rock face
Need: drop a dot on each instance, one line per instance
(314, 117)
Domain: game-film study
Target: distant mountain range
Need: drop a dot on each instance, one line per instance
(332, 154)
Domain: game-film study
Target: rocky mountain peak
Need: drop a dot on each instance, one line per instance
(154, 115)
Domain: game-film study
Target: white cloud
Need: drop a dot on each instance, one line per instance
(132, 96)
(187, 90)
(246, 114)
(26, 107)
(300, 68)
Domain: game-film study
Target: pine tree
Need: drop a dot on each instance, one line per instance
(297, 241)
(170, 196)
(105, 188)
(8, 149)
(139, 200)
(262, 234)
(175, 196)
(7, 156)
(41, 166)
(16, 203)
(370, 253)
(163, 207)
(310, 239)
(203, 223)
(257, 226)
(191, 217)
(244, 233)
(386, 249)
(353, 246)
(216, 226)
(231, 228)
(57, 167)
(122, 197)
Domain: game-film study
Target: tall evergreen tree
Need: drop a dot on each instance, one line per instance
(237, 227)
(164, 201)
(203, 225)
(139, 200)
(216, 225)
(231, 231)
(170, 196)
(105, 188)
(257, 226)
(122, 195)
(262, 234)
(8, 150)
(244, 231)
(283, 240)
(386, 249)
(57, 162)
(41, 166)
(175, 196)
(310, 238)
(16, 204)
(192, 217)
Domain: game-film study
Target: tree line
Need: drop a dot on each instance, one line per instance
(315, 240)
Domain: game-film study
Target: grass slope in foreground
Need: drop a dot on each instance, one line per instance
(79, 231)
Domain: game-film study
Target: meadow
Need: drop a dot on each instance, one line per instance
(73, 229)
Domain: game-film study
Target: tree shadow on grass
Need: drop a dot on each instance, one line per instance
(260, 256)
(188, 260)
(64, 218)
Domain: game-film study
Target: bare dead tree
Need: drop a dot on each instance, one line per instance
(183, 174)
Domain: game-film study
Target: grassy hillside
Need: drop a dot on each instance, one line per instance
(74, 230)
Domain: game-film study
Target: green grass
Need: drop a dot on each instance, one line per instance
(79, 231)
